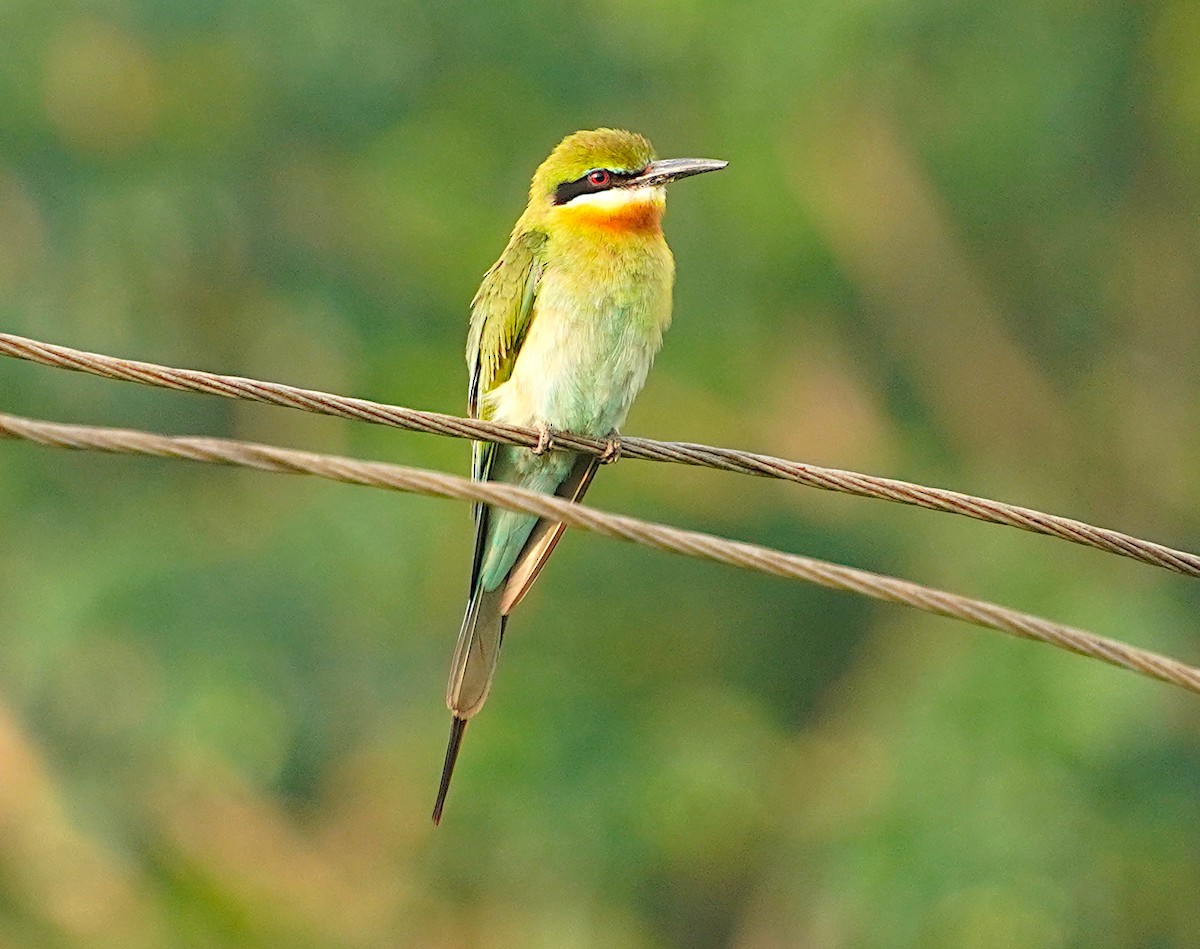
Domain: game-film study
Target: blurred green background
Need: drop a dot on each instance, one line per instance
(957, 243)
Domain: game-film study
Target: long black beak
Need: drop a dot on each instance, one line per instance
(672, 169)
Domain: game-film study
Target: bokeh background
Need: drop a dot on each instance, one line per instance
(957, 243)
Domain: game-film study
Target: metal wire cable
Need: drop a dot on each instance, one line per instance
(656, 536)
(722, 459)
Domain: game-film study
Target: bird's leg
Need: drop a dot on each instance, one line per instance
(612, 448)
(545, 440)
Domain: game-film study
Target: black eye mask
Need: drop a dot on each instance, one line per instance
(596, 180)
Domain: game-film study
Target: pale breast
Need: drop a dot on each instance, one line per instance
(587, 352)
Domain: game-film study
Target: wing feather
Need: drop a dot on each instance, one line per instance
(500, 315)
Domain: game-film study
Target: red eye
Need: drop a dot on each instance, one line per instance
(598, 178)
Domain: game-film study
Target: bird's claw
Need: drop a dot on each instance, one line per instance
(545, 440)
(612, 449)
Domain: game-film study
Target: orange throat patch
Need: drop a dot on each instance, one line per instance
(629, 217)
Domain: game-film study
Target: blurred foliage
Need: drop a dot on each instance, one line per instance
(957, 243)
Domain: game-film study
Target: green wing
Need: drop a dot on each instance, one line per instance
(500, 316)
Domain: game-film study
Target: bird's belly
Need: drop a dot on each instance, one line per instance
(580, 366)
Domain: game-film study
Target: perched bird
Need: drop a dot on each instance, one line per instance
(563, 330)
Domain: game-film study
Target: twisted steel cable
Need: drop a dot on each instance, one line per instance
(722, 459)
(656, 536)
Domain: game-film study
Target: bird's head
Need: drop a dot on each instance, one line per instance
(608, 179)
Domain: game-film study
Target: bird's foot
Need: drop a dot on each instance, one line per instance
(545, 440)
(612, 448)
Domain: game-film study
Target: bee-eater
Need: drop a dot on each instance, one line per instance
(563, 331)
